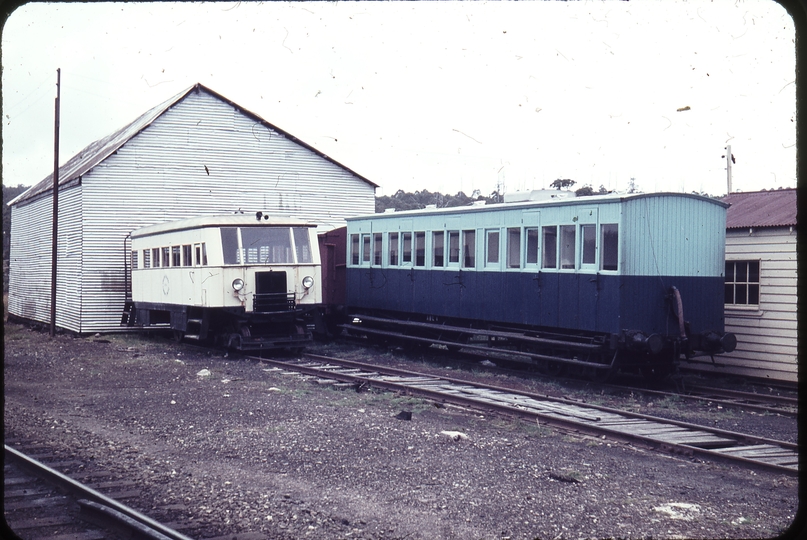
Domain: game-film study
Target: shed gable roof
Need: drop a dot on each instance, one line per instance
(98, 151)
(775, 208)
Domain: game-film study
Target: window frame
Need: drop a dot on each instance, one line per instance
(747, 283)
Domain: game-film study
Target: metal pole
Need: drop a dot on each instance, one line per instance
(728, 168)
(55, 210)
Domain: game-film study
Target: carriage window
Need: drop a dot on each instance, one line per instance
(468, 249)
(742, 283)
(146, 258)
(550, 259)
(567, 247)
(134, 260)
(453, 247)
(406, 251)
(393, 249)
(377, 240)
(420, 249)
(186, 255)
(514, 248)
(589, 234)
(155, 256)
(166, 257)
(266, 245)
(532, 246)
(229, 245)
(354, 249)
(365, 248)
(438, 249)
(302, 245)
(492, 247)
(175, 258)
(609, 244)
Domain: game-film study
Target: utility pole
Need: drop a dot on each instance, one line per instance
(729, 159)
(54, 254)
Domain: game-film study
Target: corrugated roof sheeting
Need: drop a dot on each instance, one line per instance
(96, 152)
(775, 208)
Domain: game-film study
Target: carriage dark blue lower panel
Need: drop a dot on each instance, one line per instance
(575, 301)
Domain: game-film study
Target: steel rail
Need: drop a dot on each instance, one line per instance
(139, 524)
(654, 432)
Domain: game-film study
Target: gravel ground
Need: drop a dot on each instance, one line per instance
(245, 449)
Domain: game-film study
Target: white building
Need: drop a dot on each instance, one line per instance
(196, 154)
(761, 285)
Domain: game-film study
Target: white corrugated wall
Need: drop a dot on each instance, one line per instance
(159, 175)
(29, 284)
(767, 337)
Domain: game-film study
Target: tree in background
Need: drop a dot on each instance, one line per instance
(566, 183)
(403, 200)
(587, 190)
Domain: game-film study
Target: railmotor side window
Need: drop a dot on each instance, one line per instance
(175, 256)
(186, 255)
(134, 259)
(229, 245)
(165, 257)
(302, 245)
(609, 246)
(146, 258)
(155, 255)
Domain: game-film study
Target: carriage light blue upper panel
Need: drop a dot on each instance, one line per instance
(659, 234)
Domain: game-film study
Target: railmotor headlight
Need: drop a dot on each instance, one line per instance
(308, 282)
(238, 284)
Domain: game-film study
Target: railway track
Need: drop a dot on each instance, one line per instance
(671, 436)
(41, 502)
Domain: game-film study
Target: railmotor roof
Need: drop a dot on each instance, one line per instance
(232, 220)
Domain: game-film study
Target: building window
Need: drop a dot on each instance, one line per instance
(420, 249)
(438, 248)
(393, 249)
(550, 259)
(468, 249)
(609, 246)
(742, 283)
(514, 247)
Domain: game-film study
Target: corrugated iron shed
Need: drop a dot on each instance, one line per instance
(775, 208)
(70, 173)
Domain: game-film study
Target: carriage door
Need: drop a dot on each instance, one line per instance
(199, 263)
(588, 285)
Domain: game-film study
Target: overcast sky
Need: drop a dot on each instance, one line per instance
(444, 96)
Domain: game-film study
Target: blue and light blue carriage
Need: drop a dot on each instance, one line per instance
(640, 275)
